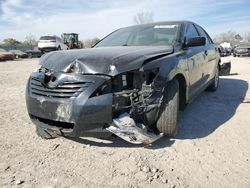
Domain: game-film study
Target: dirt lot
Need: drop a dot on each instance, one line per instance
(212, 148)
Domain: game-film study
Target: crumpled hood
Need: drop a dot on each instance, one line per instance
(105, 60)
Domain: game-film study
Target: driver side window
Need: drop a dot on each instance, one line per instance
(191, 31)
(203, 34)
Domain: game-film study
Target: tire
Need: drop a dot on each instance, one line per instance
(214, 86)
(168, 119)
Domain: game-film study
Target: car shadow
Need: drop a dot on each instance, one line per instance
(200, 118)
(115, 141)
(211, 110)
(232, 74)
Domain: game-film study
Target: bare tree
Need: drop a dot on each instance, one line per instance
(11, 41)
(90, 42)
(30, 40)
(143, 17)
(229, 36)
(247, 37)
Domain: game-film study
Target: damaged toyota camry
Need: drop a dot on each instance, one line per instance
(132, 83)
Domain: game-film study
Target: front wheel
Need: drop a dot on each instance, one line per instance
(214, 85)
(168, 119)
(30, 55)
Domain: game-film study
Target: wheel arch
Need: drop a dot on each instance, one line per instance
(182, 89)
(219, 64)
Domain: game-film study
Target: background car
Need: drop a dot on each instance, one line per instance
(242, 50)
(224, 51)
(5, 56)
(19, 54)
(221, 50)
(51, 43)
(34, 53)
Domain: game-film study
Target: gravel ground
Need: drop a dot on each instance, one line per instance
(211, 150)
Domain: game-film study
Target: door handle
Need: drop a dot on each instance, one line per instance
(205, 52)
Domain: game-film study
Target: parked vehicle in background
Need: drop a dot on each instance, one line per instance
(72, 40)
(34, 53)
(242, 50)
(19, 54)
(5, 56)
(51, 43)
(224, 51)
(221, 50)
(132, 83)
(227, 51)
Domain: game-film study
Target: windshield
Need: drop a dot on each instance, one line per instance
(153, 35)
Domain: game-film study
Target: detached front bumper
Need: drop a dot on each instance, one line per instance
(69, 109)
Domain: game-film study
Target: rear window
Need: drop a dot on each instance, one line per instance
(47, 38)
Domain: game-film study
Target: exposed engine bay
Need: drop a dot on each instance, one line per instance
(136, 103)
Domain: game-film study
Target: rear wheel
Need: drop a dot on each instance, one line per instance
(30, 55)
(168, 120)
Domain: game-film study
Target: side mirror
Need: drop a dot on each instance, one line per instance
(195, 41)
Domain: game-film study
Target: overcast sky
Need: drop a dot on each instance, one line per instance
(97, 18)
